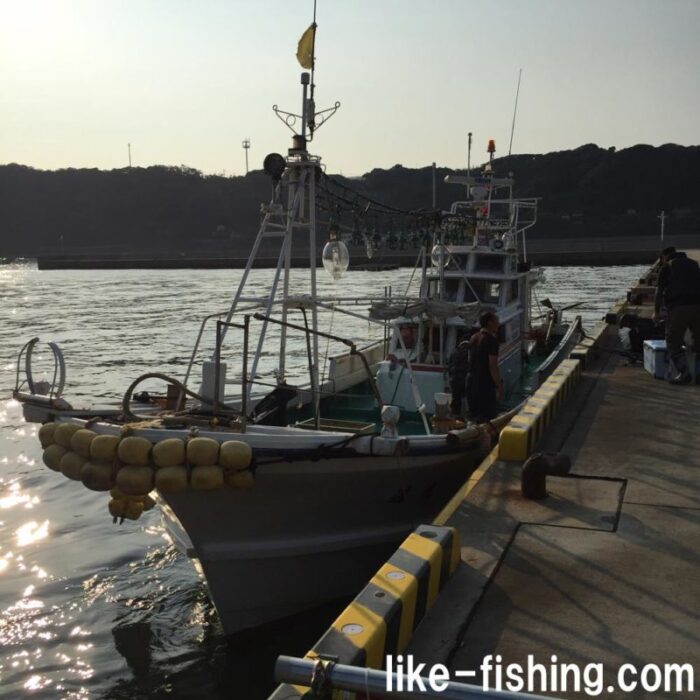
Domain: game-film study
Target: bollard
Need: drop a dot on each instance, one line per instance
(533, 480)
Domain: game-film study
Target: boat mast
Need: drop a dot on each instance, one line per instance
(295, 181)
(299, 172)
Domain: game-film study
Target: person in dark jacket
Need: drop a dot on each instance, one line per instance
(484, 383)
(457, 367)
(678, 290)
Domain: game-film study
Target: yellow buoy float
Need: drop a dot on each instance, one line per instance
(235, 455)
(241, 479)
(207, 477)
(202, 451)
(46, 434)
(169, 453)
(135, 451)
(81, 440)
(97, 476)
(135, 479)
(131, 508)
(71, 465)
(132, 466)
(171, 479)
(64, 432)
(104, 448)
(52, 456)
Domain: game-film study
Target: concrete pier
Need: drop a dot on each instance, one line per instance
(603, 573)
(606, 569)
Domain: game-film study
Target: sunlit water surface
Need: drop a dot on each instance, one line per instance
(90, 609)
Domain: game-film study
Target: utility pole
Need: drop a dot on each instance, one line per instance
(128, 145)
(469, 154)
(662, 216)
(246, 146)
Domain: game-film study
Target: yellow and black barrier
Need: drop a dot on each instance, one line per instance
(382, 618)
(519, 438)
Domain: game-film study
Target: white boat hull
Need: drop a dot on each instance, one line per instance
(309, 532)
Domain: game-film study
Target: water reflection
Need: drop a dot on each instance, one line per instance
(16, 498)
(31, 533)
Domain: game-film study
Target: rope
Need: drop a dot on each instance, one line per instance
(126, 400)
(328, 342)
(413, 272)
(396, 388)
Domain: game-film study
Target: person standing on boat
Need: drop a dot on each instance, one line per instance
(678, 289)
(457, 367)
(484, 383)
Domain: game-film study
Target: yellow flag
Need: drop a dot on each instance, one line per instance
(305, 48)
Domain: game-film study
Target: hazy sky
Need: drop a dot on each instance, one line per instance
(186, 81)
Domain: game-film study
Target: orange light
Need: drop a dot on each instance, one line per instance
(492, 146)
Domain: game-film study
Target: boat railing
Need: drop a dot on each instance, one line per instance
(324, 674)
(52, 390)
(221, 326)
(320, 334)
(197, 342)
(527, 203)
(332, 304)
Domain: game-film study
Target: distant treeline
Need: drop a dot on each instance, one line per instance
(587, 191)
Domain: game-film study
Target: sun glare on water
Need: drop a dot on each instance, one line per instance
(31, 532)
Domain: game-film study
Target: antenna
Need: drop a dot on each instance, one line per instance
(515, 111)
(310, 107)
(246, 146)
(128, 145)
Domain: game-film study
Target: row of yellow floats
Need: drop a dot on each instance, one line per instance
(130, 467)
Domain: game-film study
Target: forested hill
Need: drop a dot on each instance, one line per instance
(586, 191)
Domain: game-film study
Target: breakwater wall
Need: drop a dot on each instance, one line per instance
(548, 252)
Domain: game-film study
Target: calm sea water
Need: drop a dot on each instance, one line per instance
(89, 609)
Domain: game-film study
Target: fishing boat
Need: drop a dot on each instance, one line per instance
(289, 493)
(478, 261)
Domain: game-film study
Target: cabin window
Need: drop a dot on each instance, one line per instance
(487, 291)
(489, 263)
(493, 293)
(451, 289)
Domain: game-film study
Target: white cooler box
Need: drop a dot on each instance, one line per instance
(656, 358)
